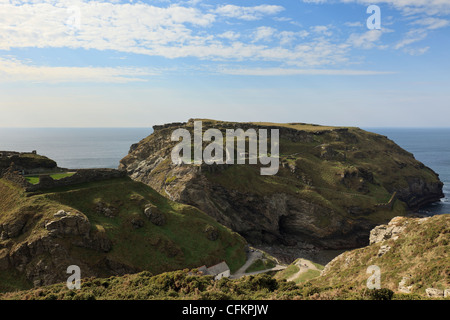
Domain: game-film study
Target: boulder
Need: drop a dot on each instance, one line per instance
(390, 231)
(137, 223)
(383, 250)
(106, 210)
(402, 287)
(154, 215)
(73, 224)
(434, 293)
(61, 213)
(211, 233)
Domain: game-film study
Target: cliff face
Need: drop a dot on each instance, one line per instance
(331, 189)
(108, 227)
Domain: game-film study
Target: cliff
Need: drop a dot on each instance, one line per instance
(334, 184)
(106, 227)
(28, 162)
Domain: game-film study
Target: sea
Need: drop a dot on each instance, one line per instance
(104, 147)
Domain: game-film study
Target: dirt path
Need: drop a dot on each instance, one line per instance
(252, 257)
(304, 265)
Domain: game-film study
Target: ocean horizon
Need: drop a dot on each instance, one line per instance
(81, 148)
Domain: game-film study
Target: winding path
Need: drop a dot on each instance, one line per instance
(252, 257)
(304, 265)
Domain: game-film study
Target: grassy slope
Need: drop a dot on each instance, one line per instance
(292, 269)
(321, 178)
(28, 160)
(180, 243)
(34, 179)
(422, 251)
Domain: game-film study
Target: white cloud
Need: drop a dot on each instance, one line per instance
(324, 30)
(409, 7)
(230, 35)
(263, 34)
(432, 23)
(170, 32)
(416, 52)
(294, 72)
(366, 40)
(248, 13)
(287, 37)
(354, 24)
(12, 70)
(412, 36)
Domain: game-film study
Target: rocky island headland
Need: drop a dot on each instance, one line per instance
(334, 186)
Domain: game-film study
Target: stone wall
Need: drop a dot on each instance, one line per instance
(47, 182)
(389, 205)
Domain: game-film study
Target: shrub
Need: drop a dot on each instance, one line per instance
(378, 294)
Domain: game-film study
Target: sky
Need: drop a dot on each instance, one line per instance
(140, 63)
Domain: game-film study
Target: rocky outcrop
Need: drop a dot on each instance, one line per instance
(69, 224)
(390, 231)
(26, 162)
(155, 215)
(43, 258)
(411, 254)
(324, 193)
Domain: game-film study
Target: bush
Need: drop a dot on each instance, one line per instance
(379, 294)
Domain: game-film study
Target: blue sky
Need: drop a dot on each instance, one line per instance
(140, 63)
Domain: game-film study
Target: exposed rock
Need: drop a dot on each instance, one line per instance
(403, 287)
(154, 215)
(447, 293)
(106, 210)
(61, 213)
(73, 224)
(211, 233)
(137, 223)
(14, 226)
(269, 213)
(383, 250)
(390, 231)
(434, 293)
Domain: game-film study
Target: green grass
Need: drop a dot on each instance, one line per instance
(34, 179)
(421, 251)
(308, 275)
(182, 236)
(180, 243)
(288, 272)
(261, 264)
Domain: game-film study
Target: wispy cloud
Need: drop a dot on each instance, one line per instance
(407, 6)
(247, 13)
(12, 70)
(294, 72)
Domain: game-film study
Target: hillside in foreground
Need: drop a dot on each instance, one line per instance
(112, 227)
(413, 255)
